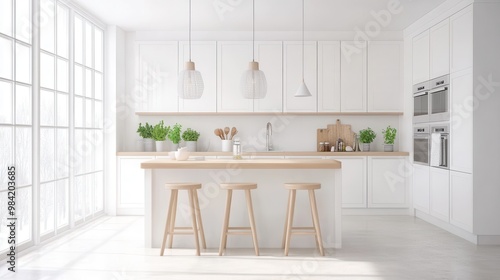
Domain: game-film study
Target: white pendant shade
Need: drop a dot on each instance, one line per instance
(190, 84)
(303, 91)
(253, 82)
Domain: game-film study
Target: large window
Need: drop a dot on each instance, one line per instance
(67, 186)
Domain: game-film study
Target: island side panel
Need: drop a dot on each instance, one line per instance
(269, 201)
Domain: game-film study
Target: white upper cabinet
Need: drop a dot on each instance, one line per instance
(329, 76)
(461, 117)
(158, 68)
(269, 54)
(385, 76)
(461, 29)
(292, 70)
(203, 54)
(232, 61)
(353, 78)
(440, 49)
(421, 53)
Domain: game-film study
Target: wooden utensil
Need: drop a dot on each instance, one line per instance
(226, 131)
(217, 133)
(233, 132)
(221, 132)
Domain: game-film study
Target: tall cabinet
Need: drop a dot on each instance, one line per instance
(353, 79)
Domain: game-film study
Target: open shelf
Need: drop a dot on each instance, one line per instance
(268, 113)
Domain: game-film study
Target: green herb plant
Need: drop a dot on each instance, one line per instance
(160, 131)
(367, 136)
(190, 135)
(174, 134)
(389, 135)
(145, 131)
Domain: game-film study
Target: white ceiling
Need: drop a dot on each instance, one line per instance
(270, 15)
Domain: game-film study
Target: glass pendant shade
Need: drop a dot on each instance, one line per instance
(303, 91)
(253, 82)
(190, 84)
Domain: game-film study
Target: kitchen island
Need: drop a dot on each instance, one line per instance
(269, 199)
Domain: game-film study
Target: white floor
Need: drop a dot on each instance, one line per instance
(375, 247)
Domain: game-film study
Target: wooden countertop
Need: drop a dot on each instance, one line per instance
(243, 164)
(279, 154)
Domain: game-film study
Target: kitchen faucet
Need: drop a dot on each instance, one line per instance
(269, 133)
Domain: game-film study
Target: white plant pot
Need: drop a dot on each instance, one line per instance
(388, 147)
(366, 147)
(227, 145)
(191, 146)
(161, 146)
(173, 147)
(139, 145)
(149, 145)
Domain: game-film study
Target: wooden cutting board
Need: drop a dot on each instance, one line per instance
(334, 132)
(323, 135)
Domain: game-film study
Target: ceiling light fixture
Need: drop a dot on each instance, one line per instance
(303, 91)
(190, 84)
(253, 81)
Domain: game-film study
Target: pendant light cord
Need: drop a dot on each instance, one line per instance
(253, 30)
(302, 40)
(189, 30)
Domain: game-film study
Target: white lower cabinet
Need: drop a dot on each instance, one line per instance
(130, 185)
(387, 182)
(461, 199)
(421, 192)
(353, 181)
(440, 193)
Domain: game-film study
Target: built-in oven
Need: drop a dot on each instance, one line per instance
(439, 99)
(440, 146)
(421, 103)
(421, 144)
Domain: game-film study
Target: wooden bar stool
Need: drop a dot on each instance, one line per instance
(194, 205)
(238, 230)
(289, 229)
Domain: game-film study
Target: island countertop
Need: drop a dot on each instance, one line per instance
(243, 164)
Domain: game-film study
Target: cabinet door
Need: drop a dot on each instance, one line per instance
(232, 60)
(158, 68)
(440, 49)
(269, 54)
(461, 200)
(353, 78)
(387, 182)
(461, 131)
(385, 76)
(421, 54)
(292, 70)
(421, 194)
(353, 181)
(203, 54)
(329, 76)
(130, 191)
(440, 193)
(461, 45)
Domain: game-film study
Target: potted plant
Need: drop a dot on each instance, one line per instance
(366, 136)
(146, 133)
(190, 136)
(159, 133)
(174, 134)
(389, 137)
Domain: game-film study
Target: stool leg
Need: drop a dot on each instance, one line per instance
(252, 221)
(291, 206)
(286, 220)
(175, 193)
(314, 210)
(223, 239)
(193, 219)
(167, 223)
(198, 218)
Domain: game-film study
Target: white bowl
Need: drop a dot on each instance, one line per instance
(171, 155)
(181, 155)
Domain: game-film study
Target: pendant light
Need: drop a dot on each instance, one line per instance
(303, 91)
(190, 84)
(253, 81)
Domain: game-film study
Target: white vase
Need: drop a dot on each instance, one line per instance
(191, 146)
(227, 145)
(149, 145)
(161, 146)
(388, 148)
(366, 147)
(139, 145)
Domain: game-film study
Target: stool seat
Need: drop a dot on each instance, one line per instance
(182, 186)
(238, 186)
(302, 186)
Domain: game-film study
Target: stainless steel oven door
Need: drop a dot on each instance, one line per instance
(439, 105)
(421, 145)
(421, 107)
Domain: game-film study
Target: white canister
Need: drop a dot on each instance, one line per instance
(227, 145)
